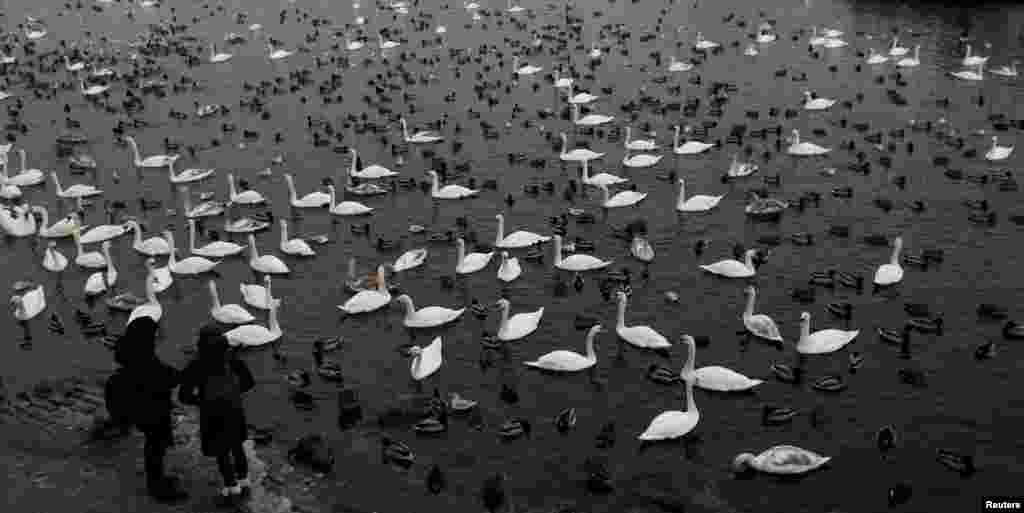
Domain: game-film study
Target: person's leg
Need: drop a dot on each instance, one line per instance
(231, 491)
(159, 437)
(241, 462)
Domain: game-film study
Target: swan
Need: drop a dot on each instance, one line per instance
(562, 82)
(513, 9)
(315, 199)
(248, 197)
(698, 203)
(527, 69)
(150, 161)
(217, 58)
(765, 35)
(704, 44)
(510, 269)
(970, 74)
(162, 275)
(895, 50)
(98, 282)
(471, 263)
(152, 307)
(75, 191)
(835, 43)
(891, 273)
(621, 199)
(715, 378)
(63, 228)
(276, 54)
(822, 341)
(103, 232)
(973, 60)
(600, 178)
(569, 361)
(641, 160)
(410, 260)
(386, 44)
(425, 360)
(804, 148)
(677, 66)
(53, 260)
(421, 137)
(353, 45)
(577, 262)
(191, 265)
(215, 249)
(759, 325)
(997, 152)
(519, 325)
(79, 65)
(152, 246)
(9, 191)
(751, 51)
(730, 268)
(297, 247)
(911, 62)
(1006, 71)
(876, 58)
(35, 33)
(204, 209)
(517, 239)
(640, 336)
(251, 335)
(448, 191)
(258, 296)
(267, 264)
(346, 208)
(739, 169)
(18, 221)
(674, 424)
(812, 103)
(639, 144)
(92, 90)
(428, 316)
(371, 172)
(689, 147)
(26, 177)
(577, 154)
(581, 98)
(90, 260)
(781, 459)
(188, 175)
(370, 299)
(29, 304)
(589, 119)
(227, 314)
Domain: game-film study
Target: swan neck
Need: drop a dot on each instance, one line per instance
(150, 286)
(591, 354)
(805, 328)
(565, 143)
(460, 251)
(192, 236)
(330, 189)
(24, 165)
(504, 317)
(621, 321)
(897, 247)
(748, 260)
(558, 250)
(501, 229)
(682, 192)
(691, 406)
(110, 261)
(750, 305)
(137, 230)
(291, 188)
(410, 307)
(135, 150)
(675, 137)
(273, 325)
(214, 295)
(284, 231)
(231, 186)
(382, 284)
(436, 185)
(254, 253)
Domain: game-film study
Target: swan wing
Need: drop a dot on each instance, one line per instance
(789, 459)
(643, 336)
(670, 424)
(366, 301)
(724, 379)
(561, 360)
(763, 326)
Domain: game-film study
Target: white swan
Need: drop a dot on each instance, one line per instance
(215, 249)
(227, 314)
(218, 57)
(731, 268)
(589, 119)
(600, 178)
(698, 203)
(562, 82)
(997, 152)
(152, 307)
(93, 90)
(510, 269)
(79, 65)
(314, 199)
(18, 221)
(90, 260)
(98, 282)
(189, 175)
(639, 144)
(1006, 71)
(876, 58)
(519, 325)
(577, 154)
(822, 341)
(578, 262)
(53, 260)
(739, 169)
(267, 264)
(410, 260)
(689, 147)
(760, 325)
(525, 70)
(425, 360)
(677, 66)
(892, 272)
(258, 296)
(640, 336)
(248, 197)
(371, 172)
(715, 377)
(674, 424)
(204, 209)
(513, 9)
(621, 198)
(370, 299)
(704, 44)
(569, 361)
(581, 98)
(428, 316)
(911, 62)
(252, 335)
(63, 228)
(103, 232)
(150, 161)
(812, 103)
(804, 148)
(190, 266)
(895, 50)
(472, 262)
(640, 161)
(517, 239)
(25, 177)
(386, 44)
(421, 137)
(970, 74)
(152, 246)
(346, 208)
(448, 191)
(75, 191)
(296, 247)
(782, 460)
(353, 45)
(29, 304)
(973, 60)
(276, 54)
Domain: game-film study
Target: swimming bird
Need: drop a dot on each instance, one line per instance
(822, 341)
(578, 262)
(569, 361)
(421, 137)
(812, 103)
(689, 147)
(258, 296)
(267, 264)
(519, 325)
(796, 147)
(759, 325)
(780, 459)
(577, 154)
(472, 262)
(150, 161)
(315, 199)
(620, 199)
(346, 208)
(600, 178)
(589, 119)
(215, 249)
(697, 203)
(152, 307)
(731, 268)
(296, 247)
(715, 377)
(674, 424)
(643, 337)
(428, 316)
(892, 272)
(517, 239)
(227, 314)
(247, 197)
(426, 360)
(997, 152)
(509, 269)
(253, 335)
(369, 299)
(153, 246)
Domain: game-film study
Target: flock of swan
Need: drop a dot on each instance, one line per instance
(26, 215)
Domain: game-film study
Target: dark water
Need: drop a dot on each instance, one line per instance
(967, 406)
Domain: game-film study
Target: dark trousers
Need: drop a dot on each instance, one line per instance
(159, 437)
(233, 465)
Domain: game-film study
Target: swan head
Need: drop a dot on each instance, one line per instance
(266, 281)
(741, 463)
(595, 329)
(749, 290)
(151, 262)
(805, 317)
(688, 340)
(502, 303)
(415, 350)
(621, 296)
(432, 173)
(897, 242)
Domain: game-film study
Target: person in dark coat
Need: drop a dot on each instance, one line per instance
(216, 381)
(149, 382)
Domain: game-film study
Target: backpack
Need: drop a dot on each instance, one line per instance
(222, 388)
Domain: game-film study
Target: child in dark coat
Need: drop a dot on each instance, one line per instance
(215, 382)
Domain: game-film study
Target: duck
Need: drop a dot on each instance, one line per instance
(63, 228)
(589, 119)
(781, 460)
(569, 361)
(254, 335)
(295, 247)
(621, 198)
(578, 262)
(98, 282)
(678, 66)
(674, 424)
(448, 191)
(257, 296)
(428, 316)
(578, 154)
(516, 428)
(812, 103)
(519, 326)
(53, 260)
(267, 264)
(960, 463)
(425, 360)
(996, 152)
(759, 325)
(822, 341)
(509, 269)
(731, 268)
(565, 420)
(152, 307)
(227, 314)
(75, 191)
(643, 337)
(393, 451)
(697, 203)
(192, 265)
(153, 246)
(472, 262)
(215, 249)
(410, 260)
(29, 303)
(248, 197)
(599, 179)
(892, 272)
(152, 161)
(346, 208)
(460, 404)
(689, 147)
(805, 149)
(421, 137)
(370, 299)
